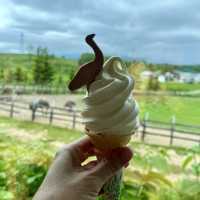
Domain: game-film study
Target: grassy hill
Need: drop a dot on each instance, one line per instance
(27, 61)
(60, 63)
(62, 67)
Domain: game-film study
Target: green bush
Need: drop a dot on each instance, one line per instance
(6, 195)
(29, 177)
(24, 164)
(133, 192)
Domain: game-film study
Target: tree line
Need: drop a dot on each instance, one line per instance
(42, 68)
(46, 69)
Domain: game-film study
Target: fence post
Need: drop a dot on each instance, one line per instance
(74, 120)
(146, 117)
(173, 124)
(51, 116)
(12, 109)
(33, 114)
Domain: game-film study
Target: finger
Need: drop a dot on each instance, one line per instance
(107, 167)
(83, 144)
(84, 148)
(80, 150)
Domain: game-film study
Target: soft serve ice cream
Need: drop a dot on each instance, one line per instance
(109, 106)
(111, 113)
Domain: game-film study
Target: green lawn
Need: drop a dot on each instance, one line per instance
(54, 133)
(185, 109)
(172, 86)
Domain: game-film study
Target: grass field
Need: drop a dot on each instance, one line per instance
(186, 110)
(53, 132)
(173, 86)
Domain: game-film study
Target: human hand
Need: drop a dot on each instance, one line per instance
(67, 178)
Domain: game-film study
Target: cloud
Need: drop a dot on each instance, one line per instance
(158, 31)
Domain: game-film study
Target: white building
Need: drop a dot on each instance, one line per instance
(197, 78)
(187, 77)
(177, 76)
(162, 78)
(147, 74)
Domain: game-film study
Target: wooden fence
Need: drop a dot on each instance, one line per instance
(53, 115)
(149, 130)
(172, 131)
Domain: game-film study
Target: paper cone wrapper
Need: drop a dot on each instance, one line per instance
(105, 141)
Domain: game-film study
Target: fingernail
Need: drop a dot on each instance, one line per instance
(123, 154)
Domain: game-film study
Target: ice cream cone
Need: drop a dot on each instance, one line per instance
(105, 141)
(109, 106)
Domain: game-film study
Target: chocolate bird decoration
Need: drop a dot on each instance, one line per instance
(89, 71)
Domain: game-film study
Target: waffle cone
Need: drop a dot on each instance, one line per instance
(106, 141)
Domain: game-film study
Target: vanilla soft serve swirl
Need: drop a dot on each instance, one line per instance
(109, 105)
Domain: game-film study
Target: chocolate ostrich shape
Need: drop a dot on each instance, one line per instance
(88, 72)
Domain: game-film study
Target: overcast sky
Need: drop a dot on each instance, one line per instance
(157, 31)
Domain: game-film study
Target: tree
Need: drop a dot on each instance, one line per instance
(135, 69)
(153, 84)
(47, 75)
(42, 70)
(1, 74)
(19, 75)
(85, 58)
(72, 73)
(9, 76)
(88, 57)
(151, 67)
(60, 80)
(30, 50)
(37, 67)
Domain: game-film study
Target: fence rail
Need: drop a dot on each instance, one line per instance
(22, 110)
(59, 116)
(170, 130)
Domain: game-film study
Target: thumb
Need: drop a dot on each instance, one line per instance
(107, 167)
